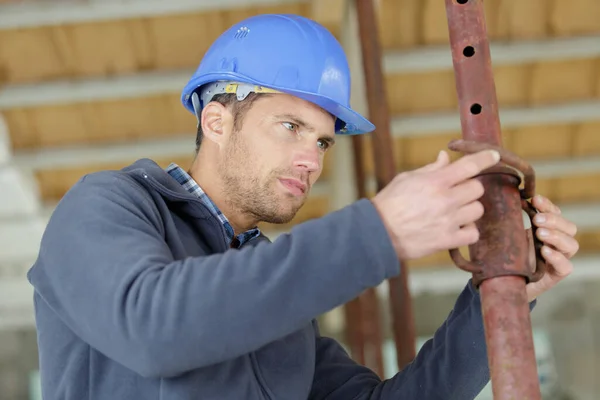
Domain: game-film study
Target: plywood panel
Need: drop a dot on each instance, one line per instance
(134, 119)
(542, 142)
(589, 242)
(586, 138)
(505, 20)
(163, 116)
(131, 45)
(180, 41)
(93, 122)
(103, 48)
(523, 19)
(534, 143)
(563, 81)
(496, 29)
(36, 127)
(597, 77)
(368, 155)
(433, 21)
(418, 152)
(29, 54)
(577, 188)
(399, 23)
(22, 132)
(330, 13)
(409, 23)
(434, 25)
(513, 84)
(574, 17)
(517, 85)
(421, 92)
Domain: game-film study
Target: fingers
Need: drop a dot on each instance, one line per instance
(561, 265)
(555, 222)
(560, 241)
(442, 160)
(555, 230)
(467, 167)
(544, 205)
(467, 235)
(469, 213)
(467, 232)
(466, 192)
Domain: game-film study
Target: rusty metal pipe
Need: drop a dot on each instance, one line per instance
(369, 301)
(502, 250)
(363, 317)
(353, 333)
(401, 303)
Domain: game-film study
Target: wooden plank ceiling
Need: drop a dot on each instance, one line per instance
(175, 42)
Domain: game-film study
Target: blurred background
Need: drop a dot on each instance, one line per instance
(90, 85)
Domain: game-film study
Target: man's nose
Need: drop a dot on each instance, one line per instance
(307, 161)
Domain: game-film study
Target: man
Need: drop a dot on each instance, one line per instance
(154, 284)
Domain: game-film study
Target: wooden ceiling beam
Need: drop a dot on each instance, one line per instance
(395, 63)
(330, 13)
(114, 47)
(162, 116)
(420, 59)
(410, 23)
(37, 13)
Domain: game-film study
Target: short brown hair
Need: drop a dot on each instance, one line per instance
(238, 108)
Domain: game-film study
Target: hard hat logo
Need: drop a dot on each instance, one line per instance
(278, 54)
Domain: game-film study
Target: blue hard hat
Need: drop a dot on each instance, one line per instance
(282, 53)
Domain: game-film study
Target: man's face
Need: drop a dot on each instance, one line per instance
(269, 165)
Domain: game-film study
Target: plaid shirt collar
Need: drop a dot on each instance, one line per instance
(191, 186)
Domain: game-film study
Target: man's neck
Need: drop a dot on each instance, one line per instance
(208, 179)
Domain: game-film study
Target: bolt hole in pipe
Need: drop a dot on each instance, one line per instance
(476, 109)
(469, 51)
(462, 1)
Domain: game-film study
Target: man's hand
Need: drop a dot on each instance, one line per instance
(558, 236)
(435, 208)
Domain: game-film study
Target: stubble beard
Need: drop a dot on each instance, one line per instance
(247, 194)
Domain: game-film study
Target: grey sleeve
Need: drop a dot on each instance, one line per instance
(106, 270)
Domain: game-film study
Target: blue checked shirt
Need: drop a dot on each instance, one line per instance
(191, 186)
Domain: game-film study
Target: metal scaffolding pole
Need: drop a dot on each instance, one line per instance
(385, 170)
(363, 316)
(500, 261)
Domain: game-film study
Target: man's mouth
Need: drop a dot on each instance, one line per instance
(294, 186)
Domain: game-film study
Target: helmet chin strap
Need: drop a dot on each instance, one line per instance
(197, 107)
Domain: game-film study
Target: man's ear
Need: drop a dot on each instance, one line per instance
(214, 122)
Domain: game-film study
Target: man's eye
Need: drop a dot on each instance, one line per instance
(323, 144)
(290, 126)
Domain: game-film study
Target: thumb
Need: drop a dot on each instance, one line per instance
(442, 160)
